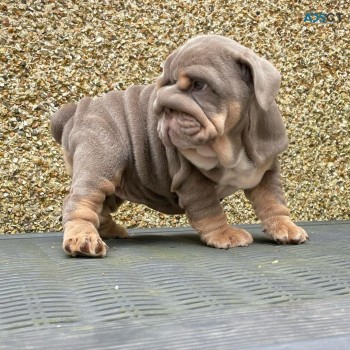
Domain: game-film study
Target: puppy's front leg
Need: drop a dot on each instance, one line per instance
(205, 213)
(270, 207)
(216, 232)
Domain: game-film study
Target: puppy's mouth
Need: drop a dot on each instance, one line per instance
(180, 129)
(182, 122)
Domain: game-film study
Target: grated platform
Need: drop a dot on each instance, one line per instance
(163, 289)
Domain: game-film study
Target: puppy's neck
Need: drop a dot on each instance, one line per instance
(227, 165)
(221, 153)
(228, 152)
(203, 157)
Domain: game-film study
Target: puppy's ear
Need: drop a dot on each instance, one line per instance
(260, 75)
(264, 136)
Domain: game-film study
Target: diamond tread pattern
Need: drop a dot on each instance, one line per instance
(163, 289)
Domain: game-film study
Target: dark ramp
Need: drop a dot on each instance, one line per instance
(163, 289)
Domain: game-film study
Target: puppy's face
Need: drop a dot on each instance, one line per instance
(213, 88)
(201, 94)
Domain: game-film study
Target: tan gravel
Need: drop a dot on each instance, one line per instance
(52, 52)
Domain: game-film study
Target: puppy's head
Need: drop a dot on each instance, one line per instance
(206, 89)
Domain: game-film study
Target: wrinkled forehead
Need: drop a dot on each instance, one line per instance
(208, 58)
(197, 52)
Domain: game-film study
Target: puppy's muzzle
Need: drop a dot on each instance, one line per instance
(173, 98)
(171, 102)
(179, 129)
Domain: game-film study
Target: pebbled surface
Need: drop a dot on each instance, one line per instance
(164, 289)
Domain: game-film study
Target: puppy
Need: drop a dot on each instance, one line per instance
(209, 126)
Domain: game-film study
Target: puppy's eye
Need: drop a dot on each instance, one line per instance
(199, 85)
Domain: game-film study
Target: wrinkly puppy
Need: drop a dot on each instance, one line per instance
(208, 127)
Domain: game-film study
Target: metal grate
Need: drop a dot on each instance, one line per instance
(161, 279)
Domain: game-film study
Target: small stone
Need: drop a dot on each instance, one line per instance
(51, 55)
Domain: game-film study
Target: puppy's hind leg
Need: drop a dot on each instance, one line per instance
(81, 217)
(108, 227)
(88, 206)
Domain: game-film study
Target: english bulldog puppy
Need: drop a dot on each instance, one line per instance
(208, 127)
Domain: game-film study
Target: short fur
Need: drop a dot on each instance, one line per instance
(209, 126)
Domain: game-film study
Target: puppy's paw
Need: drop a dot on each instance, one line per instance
(282, 230)
(83, 240)
(228, 238)
(113, 230)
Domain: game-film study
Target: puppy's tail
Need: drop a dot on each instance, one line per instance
(60, 119)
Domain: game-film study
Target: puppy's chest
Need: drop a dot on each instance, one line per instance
(242, 175)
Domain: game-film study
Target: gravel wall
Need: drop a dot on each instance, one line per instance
(53, 52)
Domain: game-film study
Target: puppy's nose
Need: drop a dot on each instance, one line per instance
(168, 113)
